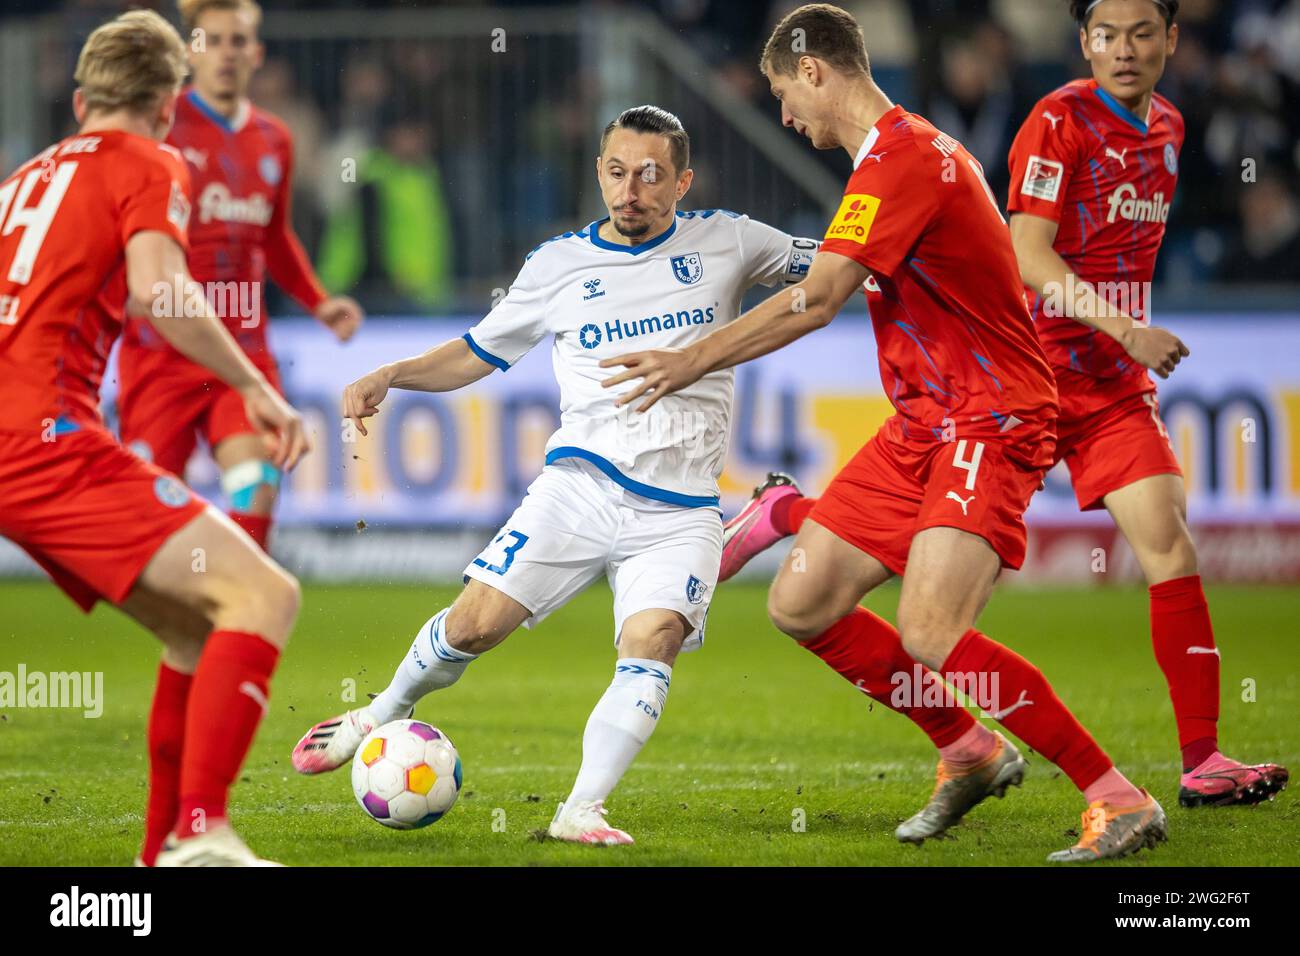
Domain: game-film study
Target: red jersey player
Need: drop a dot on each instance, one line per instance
(89, 220)
(240, 160)
(937, 496)
(1093, 172)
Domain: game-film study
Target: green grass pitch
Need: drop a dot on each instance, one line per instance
(756, 736)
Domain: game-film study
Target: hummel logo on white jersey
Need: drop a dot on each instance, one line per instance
(1111, 154)
(961, 501)
(1052, 119)
(1020, 702)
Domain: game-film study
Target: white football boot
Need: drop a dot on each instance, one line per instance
(584, 822)
(220, 846)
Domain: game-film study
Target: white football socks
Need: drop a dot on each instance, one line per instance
(431, 664)
(618, 728)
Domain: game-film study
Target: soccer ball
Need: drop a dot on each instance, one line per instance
(406, 774)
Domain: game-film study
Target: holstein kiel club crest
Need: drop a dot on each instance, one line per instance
(688, 268)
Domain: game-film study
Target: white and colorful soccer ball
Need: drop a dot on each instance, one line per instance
(406, 774)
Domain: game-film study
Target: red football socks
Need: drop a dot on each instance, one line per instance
(1028, 707)
(257, 526)
(1185, 651)
(166, 739)
(866, 651)
(227, 701)
(788, 513)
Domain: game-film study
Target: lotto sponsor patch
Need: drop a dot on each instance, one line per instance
(854, 218)
(1042, 179)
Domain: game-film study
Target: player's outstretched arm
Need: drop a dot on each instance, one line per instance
(1044, 271)
(161, 288)
(445, 368)
(786, 316)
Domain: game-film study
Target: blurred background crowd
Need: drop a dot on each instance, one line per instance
(465, 156)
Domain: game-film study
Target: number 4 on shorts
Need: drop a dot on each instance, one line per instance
(969, 465)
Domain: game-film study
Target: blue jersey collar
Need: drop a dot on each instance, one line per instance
(593, 233)
(1120, 110)
(210, 111)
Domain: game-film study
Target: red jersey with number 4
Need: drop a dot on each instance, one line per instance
(65, 218)
(1107, 178)
(955, 341)
(241, 229)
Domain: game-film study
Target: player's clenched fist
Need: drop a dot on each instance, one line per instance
(271, 415)
(342, 315)
(361, 399)
(1154, 348)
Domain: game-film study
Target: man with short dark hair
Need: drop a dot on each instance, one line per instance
(938, 495)
(633, 498)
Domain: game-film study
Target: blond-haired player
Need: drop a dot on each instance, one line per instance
(92, 219)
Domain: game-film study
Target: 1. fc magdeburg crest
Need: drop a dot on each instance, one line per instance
(688, 268)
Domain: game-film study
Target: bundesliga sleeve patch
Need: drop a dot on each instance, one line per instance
(178, 207)
(1042, 179)
(854, 218)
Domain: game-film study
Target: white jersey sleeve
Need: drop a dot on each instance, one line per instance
(515, 324)
(773, 257)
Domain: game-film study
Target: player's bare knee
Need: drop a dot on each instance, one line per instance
(1172, 559)
(928, 630)
(281, 599)
(657, 637)
(181, 652)
(475, 626)
(797, 616)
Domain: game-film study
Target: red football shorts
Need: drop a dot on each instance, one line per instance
(87, 510)
(1110, 435)
(896, 486)
(167, 402)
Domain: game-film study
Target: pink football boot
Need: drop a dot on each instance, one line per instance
(1223, 782)
(751, 532)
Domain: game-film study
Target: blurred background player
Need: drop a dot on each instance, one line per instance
(1093, 173)
(89, 221)
(240, 160)
(631, 498)
(937, 496)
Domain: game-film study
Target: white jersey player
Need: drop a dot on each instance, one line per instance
(631, 497)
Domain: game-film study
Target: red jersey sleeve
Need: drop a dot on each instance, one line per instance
(1042, 160)
(887, 206)
(286, 259)
(156, 196)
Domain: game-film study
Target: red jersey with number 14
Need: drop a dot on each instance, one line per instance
(957, 350)
(1107, 178)
(65, 218)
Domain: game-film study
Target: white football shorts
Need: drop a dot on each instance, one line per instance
(576, 524)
